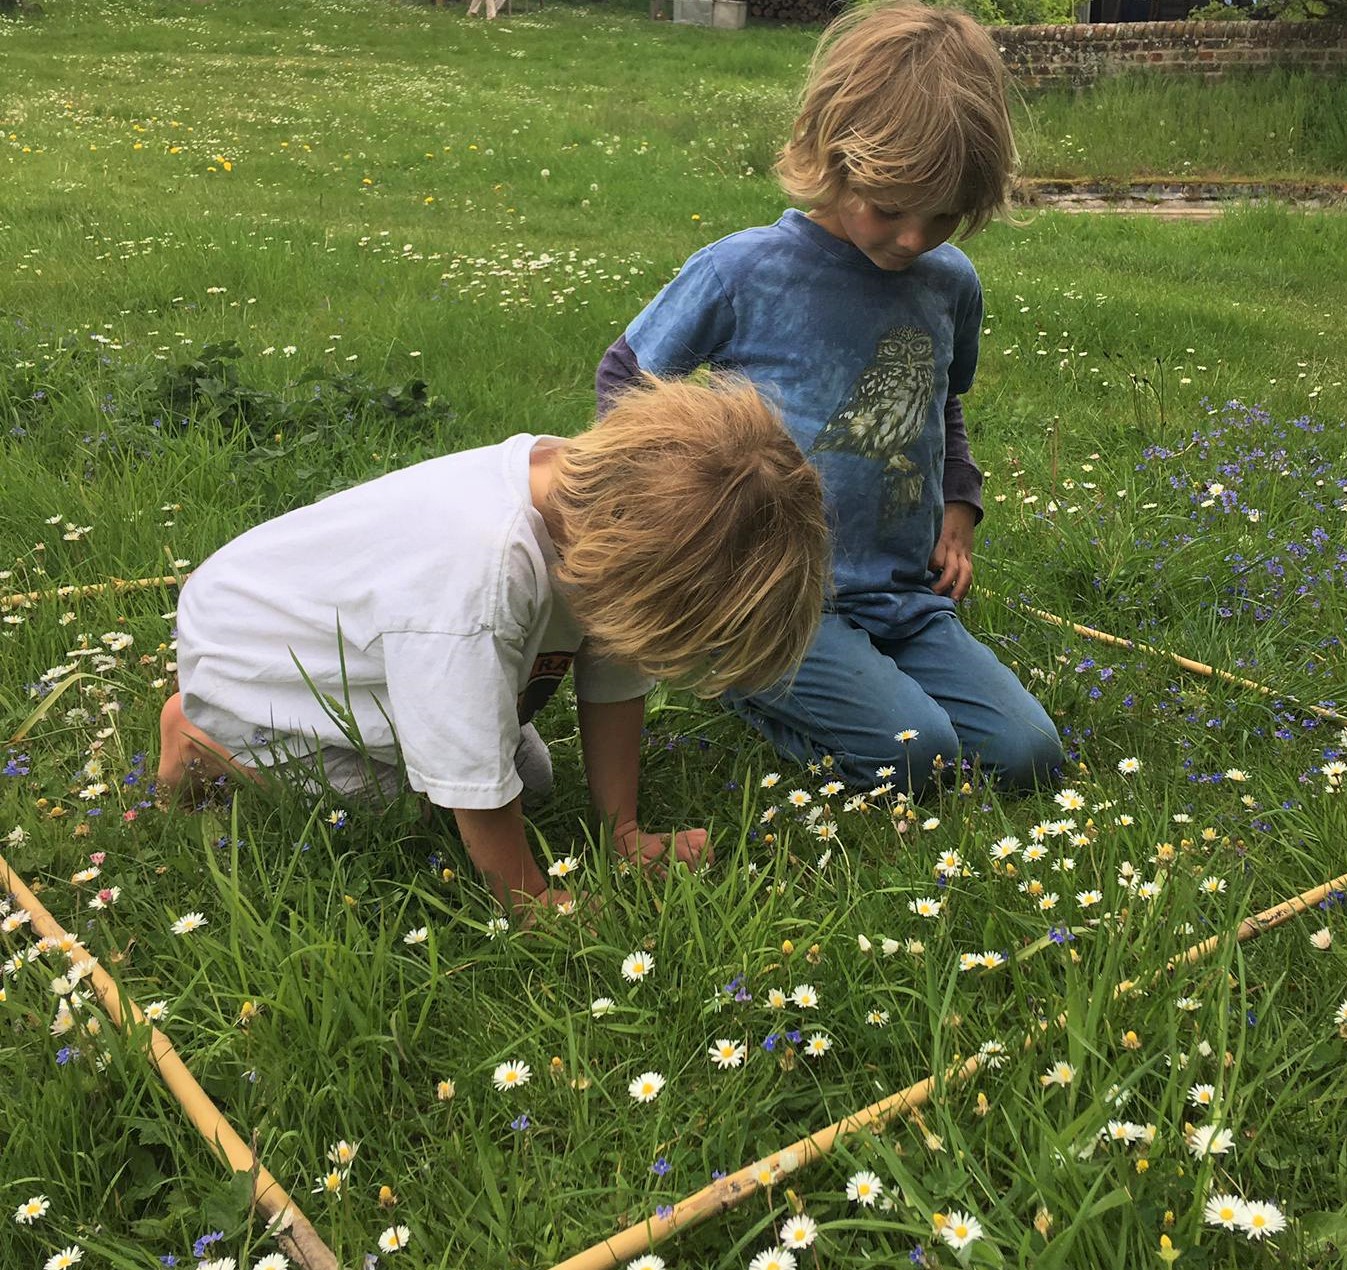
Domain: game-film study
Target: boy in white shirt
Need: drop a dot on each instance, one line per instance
(428, 614)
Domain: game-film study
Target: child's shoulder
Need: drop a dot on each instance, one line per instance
(947, 271)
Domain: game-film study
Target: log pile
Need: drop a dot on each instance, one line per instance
(796, 10)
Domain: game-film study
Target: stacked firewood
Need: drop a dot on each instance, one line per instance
(796, 10)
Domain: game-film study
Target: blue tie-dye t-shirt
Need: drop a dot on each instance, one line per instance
(859, 360)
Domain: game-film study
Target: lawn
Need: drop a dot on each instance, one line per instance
(252, 253)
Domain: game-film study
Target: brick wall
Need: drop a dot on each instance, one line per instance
(1080, 54)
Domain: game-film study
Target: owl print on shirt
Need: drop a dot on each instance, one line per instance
(886, 412)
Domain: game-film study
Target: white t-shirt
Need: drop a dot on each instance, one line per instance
(420, 602)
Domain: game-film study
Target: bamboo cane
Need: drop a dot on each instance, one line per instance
(291, 1228)
(1196, 667)
(729, 1192)
(93, 588)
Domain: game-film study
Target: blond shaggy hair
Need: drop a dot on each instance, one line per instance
(691, 535)
(903, 100)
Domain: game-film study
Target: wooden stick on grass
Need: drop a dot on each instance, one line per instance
(92, 588)
(1196, 667)
(291, 1228)
(729, 1192)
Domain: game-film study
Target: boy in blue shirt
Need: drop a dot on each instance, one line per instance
(861, 322)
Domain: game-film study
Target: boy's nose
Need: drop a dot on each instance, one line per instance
(914, 234)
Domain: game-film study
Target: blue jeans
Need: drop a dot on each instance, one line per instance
(854, 692)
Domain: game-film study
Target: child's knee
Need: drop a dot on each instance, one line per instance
(1029, 760)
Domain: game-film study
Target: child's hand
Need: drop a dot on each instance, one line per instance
(952, 559)
(651, 850)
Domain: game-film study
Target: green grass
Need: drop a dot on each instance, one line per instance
(1099, 413)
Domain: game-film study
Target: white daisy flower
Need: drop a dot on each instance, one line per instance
(30, 1210)
(799, 1231)
(395, 1239)
(511, 1075)
(1260, 1219)
(636, 966)
(188, 923)
(727, 1053)
(646, 1087)
(1223, 1210)
(864, 1188)
(960, 1229)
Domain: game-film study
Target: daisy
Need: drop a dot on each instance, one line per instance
(1213, 885)
(1202, 1095)
(773, 1259)
(831, 788)
(273, 1261)
(949, 864)
(1236, 775)
(156, 1011)
(877, 1018)
(925, 907)
(906, 735)
(960, 1229)
(1259, 1219)
(799, 798)
(27, 1213)
(636, 966)
(648, 1262)
(804, 996)
(1322, 938)
(1069, 800)
(394, 1239)
(560, 868)
(511, 1075)
(1226, 1211)
(1340, 1017)
(776, 999)
(1004, 848)
(1034, 852)
(417, 936)
(726, 1053)
(799, 1231)
(188, 923)
(864, 1188)
(1148, 890)
(1126, 1131)
(889, 947)
(771, 780)
(445, 1090)
(1088, 899)
(1189, 1005)
(1058, 1074)
(1207, 1139)
(1129, 766)
(817, 1045)
(931, 822)
(646, 1087)
(601, 1006)
(65, 1258)
(343, 1153)
(993, 1054)
(1048, 902)
(990, 960)
(329, 1183)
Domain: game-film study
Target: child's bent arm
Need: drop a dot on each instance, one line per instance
(496, 845)
(610, 735)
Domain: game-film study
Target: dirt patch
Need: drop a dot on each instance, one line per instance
(1173, 200)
